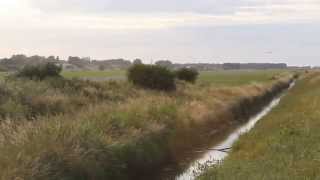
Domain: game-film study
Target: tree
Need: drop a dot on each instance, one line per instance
(40, 72)
(137, 61)
(187, 74)
(77, 61)
(152, 77)
(102, 67)
(51, 59)
(164, 63)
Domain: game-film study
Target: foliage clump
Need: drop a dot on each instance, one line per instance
(152, 77)
(40, 72)
(187, 74)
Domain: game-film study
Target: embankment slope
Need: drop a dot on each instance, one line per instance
(284, 145)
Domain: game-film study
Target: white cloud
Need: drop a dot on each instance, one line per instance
(146, 14)
(139, 6)
(146, 28)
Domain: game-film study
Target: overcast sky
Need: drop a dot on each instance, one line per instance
(180, 30)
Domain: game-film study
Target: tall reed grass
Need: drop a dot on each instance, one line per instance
(84, 130)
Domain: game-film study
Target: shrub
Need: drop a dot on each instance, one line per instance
(152, 77)
(40, 72)
(186, 74)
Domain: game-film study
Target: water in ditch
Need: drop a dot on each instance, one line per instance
(214, 155)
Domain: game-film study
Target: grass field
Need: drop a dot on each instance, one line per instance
(2, 75)
(93, 74)
(237, 77)
(284, 145)
(221, 78)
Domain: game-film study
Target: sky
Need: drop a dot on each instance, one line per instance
(211, 31)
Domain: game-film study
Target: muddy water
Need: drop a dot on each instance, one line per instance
(215, 154)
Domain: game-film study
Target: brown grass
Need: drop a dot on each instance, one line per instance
(118, 138)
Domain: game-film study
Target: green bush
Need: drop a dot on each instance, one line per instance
(187, 74)
(40, 72)
(152, 77)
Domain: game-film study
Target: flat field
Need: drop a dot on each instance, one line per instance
(220, 78)
(238, 77)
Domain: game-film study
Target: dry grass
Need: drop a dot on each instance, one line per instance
(115, 132)
(26, 99)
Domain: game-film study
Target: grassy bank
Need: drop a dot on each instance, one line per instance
(112, 130)
(284, 144)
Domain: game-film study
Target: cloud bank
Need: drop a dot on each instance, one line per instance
(172, 29)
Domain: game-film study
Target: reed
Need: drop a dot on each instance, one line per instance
(112, 130)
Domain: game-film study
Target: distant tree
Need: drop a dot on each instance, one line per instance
(36, 58)
(18, 60)
(19, 57)
(102, 67)
(187, 74)
(137, 61)
(77, 61)
(86, 59)
(51, 58)
(40, 72)
(164, 63)
(152, 77)
(73, 58)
